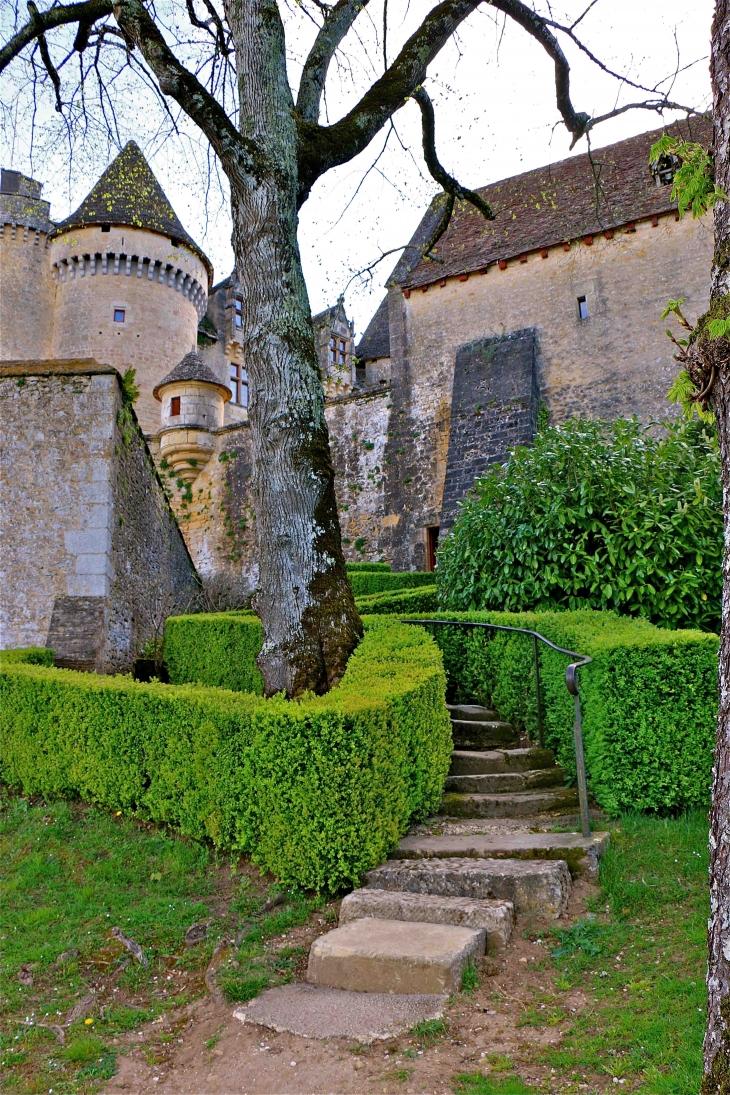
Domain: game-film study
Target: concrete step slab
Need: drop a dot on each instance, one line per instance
(333, 1013)
(465, 762)
(582, 854)
(499, 782)
(471, 734)
(471, 711)
(495, 917)
(516, 804)
(535, 888)
(392, 956)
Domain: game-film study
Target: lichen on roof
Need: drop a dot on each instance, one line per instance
(128, 194)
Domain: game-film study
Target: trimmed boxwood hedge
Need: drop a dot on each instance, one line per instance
(399, 602)
(365, 583)
(354, 568)
(648, 701)
(316, 791)
(29, 655)
(214, 648)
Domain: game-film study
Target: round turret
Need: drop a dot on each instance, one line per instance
(131, 285)
(193, 400)
(26, 299)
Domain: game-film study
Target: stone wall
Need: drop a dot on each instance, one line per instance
(26, 287)
(493, 409)
(91, 551)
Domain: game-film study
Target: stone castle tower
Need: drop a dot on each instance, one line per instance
(120, 280)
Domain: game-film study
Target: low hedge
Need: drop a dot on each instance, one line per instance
(214, 648)
(648, 701)
(398, 603)
(315, 791)
(365, 583)
(28, 655)
(355, 568)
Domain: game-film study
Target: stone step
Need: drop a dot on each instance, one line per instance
(495, 917)
(469, 762)
(512, 804)
(499, 782)
(538, 888)
(580, 853)
(472, 711)
(372, 955)
(473, 734)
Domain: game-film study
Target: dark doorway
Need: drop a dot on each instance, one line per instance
(432, 539)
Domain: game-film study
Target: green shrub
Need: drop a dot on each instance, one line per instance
(368, 582)
(355, 568)
(648, 701)
(214, 648)
(316, 790)
(408, 601)
(28, 655)
(595, 516)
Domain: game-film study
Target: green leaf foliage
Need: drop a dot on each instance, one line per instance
(399, 602)
(214, 648)
(694, 186)
(355, 568)
(367, 582)
(648, 700)
(317, 791)
(30, 655)
(595, 516)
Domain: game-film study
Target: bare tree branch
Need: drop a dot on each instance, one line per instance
(87, 11)
(337, 23)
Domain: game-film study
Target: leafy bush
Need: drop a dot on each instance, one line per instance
(365, 583)
(316, 791)
(216, 648)
(30, 655)
(595, 516)
(648, 701)
(398, 603)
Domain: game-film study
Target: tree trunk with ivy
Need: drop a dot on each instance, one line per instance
(713, 357)
(304, 598)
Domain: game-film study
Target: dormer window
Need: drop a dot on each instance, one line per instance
(338, 351)
(106, 228)
(238, 313)
(664, 169)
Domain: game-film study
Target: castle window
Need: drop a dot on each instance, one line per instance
(239, 385)
(175, 406)
(119, 314)
(238, 306)
(664, 169)
(582, 308)
(338, 351)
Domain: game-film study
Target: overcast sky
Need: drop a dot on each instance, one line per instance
(496, 117)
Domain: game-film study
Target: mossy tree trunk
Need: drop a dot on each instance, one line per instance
(717, 1037)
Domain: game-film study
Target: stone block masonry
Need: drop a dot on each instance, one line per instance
(92, 556)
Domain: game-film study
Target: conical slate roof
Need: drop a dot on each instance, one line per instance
(129, 194)
(192, 367)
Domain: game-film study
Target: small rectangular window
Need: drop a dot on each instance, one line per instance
(175, 405)
(342, 360)
(238, 383)
(333, 350)
(238, 305)
(582, 308)
(106, 228)
(119, 314)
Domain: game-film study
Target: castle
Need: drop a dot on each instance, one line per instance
(556, 303)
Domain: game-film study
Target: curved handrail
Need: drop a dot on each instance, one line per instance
(571, 683)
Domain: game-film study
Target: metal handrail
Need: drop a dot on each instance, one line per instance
(571, 683)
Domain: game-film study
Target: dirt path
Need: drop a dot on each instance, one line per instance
(204, 1050)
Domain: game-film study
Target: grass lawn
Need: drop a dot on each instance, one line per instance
(639, 959)
(70, 873)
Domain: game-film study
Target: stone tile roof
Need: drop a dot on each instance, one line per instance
(192, 367)
(129, 194)
(577, 197)
(376, 340)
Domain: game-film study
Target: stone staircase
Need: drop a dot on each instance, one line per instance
(428, 912)
(492, 777)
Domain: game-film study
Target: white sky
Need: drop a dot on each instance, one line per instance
(496, 117)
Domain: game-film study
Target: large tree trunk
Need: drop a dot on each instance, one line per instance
(717, 1037)
(304, 598)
